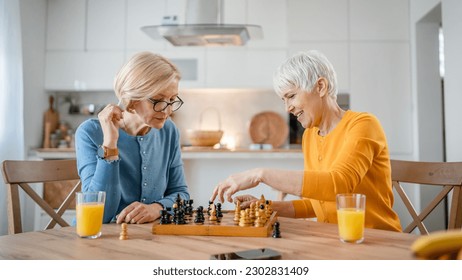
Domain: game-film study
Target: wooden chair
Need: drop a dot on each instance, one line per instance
(21, 173)
(445, 175)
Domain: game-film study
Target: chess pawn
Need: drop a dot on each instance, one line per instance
(276, 230)
(123, 232)
(209, 207)
(219, 213)
(252, 212)
(258, 219)
(213, 213)
(262, 214)
(243, 219)
(237, 213)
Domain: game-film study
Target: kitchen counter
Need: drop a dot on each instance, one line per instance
(191, 153)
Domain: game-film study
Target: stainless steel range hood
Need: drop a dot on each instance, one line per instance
(203, 27)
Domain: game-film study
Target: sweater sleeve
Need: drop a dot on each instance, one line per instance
(95, 173)
(303, 208)
(364, 140)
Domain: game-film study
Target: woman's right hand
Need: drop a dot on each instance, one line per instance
(245, 200)
(109, 119)
(236, 182)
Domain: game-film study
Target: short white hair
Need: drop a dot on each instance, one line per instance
(302, 70)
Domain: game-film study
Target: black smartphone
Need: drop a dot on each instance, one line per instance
(254, 254)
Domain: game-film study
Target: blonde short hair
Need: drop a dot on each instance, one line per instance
(145, 75)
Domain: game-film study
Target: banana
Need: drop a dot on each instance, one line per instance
(437, 244)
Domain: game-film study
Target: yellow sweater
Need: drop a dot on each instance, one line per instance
(352, 158)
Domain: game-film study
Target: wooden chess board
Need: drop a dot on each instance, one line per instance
(224, 228)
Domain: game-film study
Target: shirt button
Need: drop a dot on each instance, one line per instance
(144, 167)
(145, 184)
(143, 200)
(320, 158)
(141, 138)
(144, 152)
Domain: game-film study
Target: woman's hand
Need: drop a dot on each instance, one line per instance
(237, 182)
(110, 118)
(245, 200)
(139, 213)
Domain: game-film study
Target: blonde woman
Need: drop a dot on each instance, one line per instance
(132, 151)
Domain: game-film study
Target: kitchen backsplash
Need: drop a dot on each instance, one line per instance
(227, 109)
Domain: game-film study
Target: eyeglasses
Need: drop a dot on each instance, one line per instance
(160, 105)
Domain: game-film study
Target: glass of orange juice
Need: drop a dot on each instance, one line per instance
(90, 210)
(351, 209)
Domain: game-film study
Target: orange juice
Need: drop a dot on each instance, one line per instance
(351, 224)
(89, 219)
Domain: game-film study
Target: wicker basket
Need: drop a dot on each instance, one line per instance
(199, 137)
(204, 137)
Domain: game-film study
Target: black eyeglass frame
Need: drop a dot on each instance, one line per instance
(155, 102)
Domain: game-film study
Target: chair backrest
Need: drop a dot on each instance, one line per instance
(445, 175)
(21, 173)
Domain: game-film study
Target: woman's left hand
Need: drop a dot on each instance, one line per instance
(139, 213)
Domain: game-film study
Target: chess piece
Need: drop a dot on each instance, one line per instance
(276, 230)
(189, 208)
(219, 213)
(237, 212)
(213, 214)
(209, 207)
(199, 216)
(243, 219)
(165, 217)
(123, 232)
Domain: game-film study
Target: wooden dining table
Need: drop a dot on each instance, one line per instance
(300, 240)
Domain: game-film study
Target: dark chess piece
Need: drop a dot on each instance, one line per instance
(180, 218)
(219, 213)
(276, 230)
(179, 201)
(199, 215)
(188, 210)
(175, 213)
(165, 217)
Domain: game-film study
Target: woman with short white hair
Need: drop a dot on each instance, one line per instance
(344, 151)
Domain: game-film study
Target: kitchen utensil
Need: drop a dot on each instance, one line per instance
(205, 137)
(268, 128)
(50, 123)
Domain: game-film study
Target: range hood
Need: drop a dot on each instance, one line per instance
(203, 27)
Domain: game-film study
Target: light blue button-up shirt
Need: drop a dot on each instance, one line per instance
(149, 168)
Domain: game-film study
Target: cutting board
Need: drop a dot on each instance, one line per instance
(50, 123)
(268, 128)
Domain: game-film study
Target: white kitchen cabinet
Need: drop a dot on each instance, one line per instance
(141, 13)
(269, 14)
(86, 25)
(272, 16)
(105, 25)
(80, 71)
(66, 21)
(317, 20)
(242, 68)
(379, 20)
